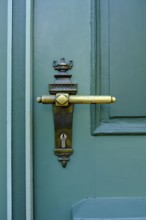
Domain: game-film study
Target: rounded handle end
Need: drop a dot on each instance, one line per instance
(39, 99)
(113, 99)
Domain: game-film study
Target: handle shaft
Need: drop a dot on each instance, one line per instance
(79, 99)
(91, 99)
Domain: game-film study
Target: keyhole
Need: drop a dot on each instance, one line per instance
(63, 138)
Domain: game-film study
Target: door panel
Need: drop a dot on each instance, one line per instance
(60, 30)
(120, 51)
(102, 165)
(127, 57)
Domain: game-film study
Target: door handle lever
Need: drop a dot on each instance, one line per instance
(63, 99)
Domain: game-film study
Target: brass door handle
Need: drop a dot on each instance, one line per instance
(63, 99)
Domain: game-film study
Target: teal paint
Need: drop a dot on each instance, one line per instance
(101, 166)
(119, 45)
(60, 33)
(127, 57)
(28, 112)
(116, 208)
(9, 110)
(3, 109)
(18, 110)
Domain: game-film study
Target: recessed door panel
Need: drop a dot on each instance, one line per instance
(120, 50)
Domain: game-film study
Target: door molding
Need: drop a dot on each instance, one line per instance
(101, 121)
(28, 112)
(9, 110)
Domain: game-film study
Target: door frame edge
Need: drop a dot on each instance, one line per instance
(9, 109)
(28, 111)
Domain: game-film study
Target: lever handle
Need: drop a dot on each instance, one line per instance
(63, 96)
(63, 99)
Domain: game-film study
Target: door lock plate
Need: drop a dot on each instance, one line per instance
(62, 110)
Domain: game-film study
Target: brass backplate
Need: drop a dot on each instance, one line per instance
(63, 111)
(63, 125)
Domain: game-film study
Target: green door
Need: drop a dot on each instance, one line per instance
(106, 41)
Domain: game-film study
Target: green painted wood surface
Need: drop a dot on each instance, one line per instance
(102, 166)
(3, 108)
(18, 110)
(127, 57)
(124, 208)
(119, 45)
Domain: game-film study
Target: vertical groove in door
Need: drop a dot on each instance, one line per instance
(28, 112)
(9, 111)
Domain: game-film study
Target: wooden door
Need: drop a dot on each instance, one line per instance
(106, 41)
